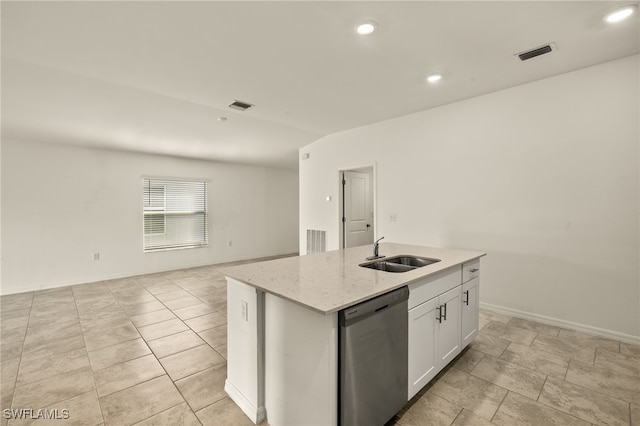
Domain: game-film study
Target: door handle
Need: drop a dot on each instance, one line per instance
(466, 300)
(443, 315)
(368, 226)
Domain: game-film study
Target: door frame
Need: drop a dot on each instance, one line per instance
(374, 190)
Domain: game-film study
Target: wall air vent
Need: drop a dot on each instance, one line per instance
(240, 106)
(542, 50)
(316, 241)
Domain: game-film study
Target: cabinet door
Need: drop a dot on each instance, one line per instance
(422, 351)
(449, 331)
(470, 311)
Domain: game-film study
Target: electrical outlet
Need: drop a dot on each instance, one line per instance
(96, 256)
(393, 217)
(245, 310)
(229, 243)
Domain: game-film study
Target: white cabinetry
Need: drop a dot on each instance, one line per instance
(443, 320)
(434, 326)
(470, 301)
(422, 351)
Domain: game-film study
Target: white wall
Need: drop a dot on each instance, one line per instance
(544, 177)
(60, 204)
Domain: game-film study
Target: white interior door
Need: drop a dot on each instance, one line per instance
(357, 216)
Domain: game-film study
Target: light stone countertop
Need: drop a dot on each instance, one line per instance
(330, 281)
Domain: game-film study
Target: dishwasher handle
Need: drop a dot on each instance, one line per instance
(382, 307)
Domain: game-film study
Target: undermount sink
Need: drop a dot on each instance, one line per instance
(401, 263)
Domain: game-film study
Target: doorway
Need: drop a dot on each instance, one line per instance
(357, 216)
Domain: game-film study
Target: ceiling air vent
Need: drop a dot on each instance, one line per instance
(542, 50)
(240, 106)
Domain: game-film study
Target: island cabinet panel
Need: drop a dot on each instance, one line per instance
(245, 345)
(301, 364)
(470, 310)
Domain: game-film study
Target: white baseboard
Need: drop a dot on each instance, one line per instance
(256, 414)
(623, 337)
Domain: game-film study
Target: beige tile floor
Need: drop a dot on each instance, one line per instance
(151, 350)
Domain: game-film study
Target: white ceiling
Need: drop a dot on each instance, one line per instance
(155, 76)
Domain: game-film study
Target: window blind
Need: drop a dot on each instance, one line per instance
(175, 214)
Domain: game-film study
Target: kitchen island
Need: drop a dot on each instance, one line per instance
(282, 319)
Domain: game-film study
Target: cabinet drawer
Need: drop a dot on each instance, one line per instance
(470, 270)
(428, 288)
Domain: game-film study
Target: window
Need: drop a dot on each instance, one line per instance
(175, 214)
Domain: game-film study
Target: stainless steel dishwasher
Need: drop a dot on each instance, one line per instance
(373, 359)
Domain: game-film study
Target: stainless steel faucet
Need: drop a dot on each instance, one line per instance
(375, 250)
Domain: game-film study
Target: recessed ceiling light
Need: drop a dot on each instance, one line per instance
(222, 119)
(434, 78)
(620, 14)
(366, 28)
